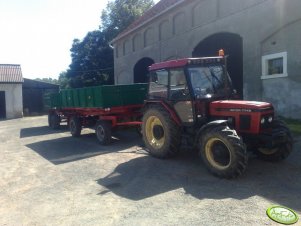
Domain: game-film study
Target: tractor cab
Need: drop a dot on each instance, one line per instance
(196, 78)
(189, 85)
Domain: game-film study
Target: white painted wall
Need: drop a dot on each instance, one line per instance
(13, 100)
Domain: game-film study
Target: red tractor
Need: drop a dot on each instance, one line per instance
(189, 104)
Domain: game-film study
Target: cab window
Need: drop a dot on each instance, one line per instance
(158, 85)
(178, 85)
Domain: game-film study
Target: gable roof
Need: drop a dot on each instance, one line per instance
(157, 10)
(10, 73)
(34, 84)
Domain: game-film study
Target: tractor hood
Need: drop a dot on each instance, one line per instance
(240, 106)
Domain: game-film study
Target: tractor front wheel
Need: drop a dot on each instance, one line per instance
(281, 150)
(223, 152)
(161, 134)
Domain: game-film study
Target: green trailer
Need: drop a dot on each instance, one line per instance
(106, 96)
(98, 107)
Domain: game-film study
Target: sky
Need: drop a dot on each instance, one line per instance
(38, 34)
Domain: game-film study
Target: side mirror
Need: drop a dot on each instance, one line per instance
(235, 95)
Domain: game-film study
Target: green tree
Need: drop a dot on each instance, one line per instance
(48, 80)
(91, 61)
(63, 81)
(119, 14)
(92, 58)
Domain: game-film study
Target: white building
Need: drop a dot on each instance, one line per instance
(11, 105)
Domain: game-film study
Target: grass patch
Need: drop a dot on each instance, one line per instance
(293, 124)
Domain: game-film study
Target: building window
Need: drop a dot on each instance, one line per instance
(274, 65)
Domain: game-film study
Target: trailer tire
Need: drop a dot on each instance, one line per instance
(161, 134)
(75, 126)
(282, 150)
(223, 152)
(103, 131)
(54, 121)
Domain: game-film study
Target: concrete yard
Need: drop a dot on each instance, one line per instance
(50, 178)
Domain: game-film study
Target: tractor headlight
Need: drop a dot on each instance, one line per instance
(262, 121)
(270, 119)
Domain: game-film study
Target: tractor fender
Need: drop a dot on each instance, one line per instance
(208, 126)
(164, 105)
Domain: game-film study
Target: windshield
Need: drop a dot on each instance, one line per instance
(207, 81)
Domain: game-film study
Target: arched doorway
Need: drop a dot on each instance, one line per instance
(141, 70)
(232, 45)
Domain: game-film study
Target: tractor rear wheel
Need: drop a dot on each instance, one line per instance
(54, 121)
(280, 151)
(161, 134)
(103, 132)
(223, 152)
(75, 126)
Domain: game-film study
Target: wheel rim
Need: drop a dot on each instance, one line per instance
(100, 132)
(267, 151)
(155, 132)
(218, 154)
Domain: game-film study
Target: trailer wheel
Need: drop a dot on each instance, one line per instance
(223, 152)
(160, 133)
(103, 132)
(75, 126)
(280, 151)
(54, 121)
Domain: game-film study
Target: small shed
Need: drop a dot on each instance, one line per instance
(36, 96)
(11, 79)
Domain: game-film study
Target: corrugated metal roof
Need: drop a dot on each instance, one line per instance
(152, 13)
(10, 73)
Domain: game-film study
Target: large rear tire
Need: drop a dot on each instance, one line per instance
(103, 132)
(75, 126)
(223, 152)
(280, 151)
(161, 134)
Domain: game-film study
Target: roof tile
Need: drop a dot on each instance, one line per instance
(10, 73)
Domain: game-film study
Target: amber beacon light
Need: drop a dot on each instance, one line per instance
(221, 52)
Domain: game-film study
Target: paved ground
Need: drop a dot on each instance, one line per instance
(49, 178)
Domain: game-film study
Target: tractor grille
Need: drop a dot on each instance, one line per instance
(266, 124)
(245, 122)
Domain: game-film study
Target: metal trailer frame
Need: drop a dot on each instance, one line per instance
(123, 116)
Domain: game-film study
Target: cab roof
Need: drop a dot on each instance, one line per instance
(185, 61)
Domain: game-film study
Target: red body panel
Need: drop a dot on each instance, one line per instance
(240, 104)
(237, 109)
(119, 116)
